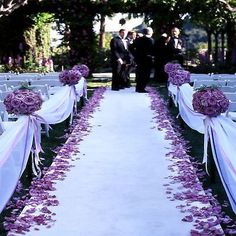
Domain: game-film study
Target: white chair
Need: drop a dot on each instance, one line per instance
(229, 89)
(3, 94)
(3, 112)
(194, 77)
(12, 83)
(230, 96)
(231, 112)
(42, 89)
(201, 83)
(53, 84)
(231, 82)
(3, 87)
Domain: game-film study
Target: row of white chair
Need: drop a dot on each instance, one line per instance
(220, 83)
(42, 89)
(52, 85)
(212, 77)
(29, 77)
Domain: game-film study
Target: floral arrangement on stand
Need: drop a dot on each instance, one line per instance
(82, 68)
(23, 102)
(179, 77)
(170, 67)
(70, 77)
(193, 202)
(210, 101)
(41, 199)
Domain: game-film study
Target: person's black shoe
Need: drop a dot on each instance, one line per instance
(141, 91)
(115, 89)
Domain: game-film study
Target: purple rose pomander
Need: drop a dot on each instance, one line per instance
(23, 102)
(210, 101)
(169, 67)
(70, 77)
(179, 77)
(82, 68)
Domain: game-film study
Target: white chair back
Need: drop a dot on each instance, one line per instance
(200, 83)
(43, 90)
(3, 94)
(3, 87)
(231, 83)
(229, 89)
(230, 96)
(231, 109)
(3, 112)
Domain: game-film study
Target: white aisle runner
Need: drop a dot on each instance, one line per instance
(116, 188)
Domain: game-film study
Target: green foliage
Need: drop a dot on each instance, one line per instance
(37, 37)
(102, 59)
(75, 22)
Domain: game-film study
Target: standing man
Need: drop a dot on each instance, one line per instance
(120, 57)
(131, 36)
(175, 46)
(162, 56)
(144, 59)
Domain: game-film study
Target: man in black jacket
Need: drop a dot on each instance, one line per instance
(144, 47)
(175, 46)
(120, 58)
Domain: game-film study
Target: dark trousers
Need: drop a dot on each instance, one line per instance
(116, 68)
(142, 76)
(160, 75)
(119, 76)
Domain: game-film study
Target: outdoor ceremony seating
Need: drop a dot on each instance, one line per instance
(52, 84)
(12, 83)
(230, 96)
(42, 89)
(3, 112)
(3, 87)
(199, 77)
(3, 94)
(200, 83)
(13, 148)
(220, 130)
(226, 88)
(231, 82)
(231, 112)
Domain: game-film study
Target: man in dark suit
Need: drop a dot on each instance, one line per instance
(162, 56)
(120, 58)
(144, 49)
(175, 46)
(131, 36)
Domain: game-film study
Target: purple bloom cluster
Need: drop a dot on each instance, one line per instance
(23, 102)
(41, 197)
(169, 67)
(82, 68)
(179, 77)
(210, 101)
(183, 185)
(70, 77)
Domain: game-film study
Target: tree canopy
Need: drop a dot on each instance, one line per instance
(75, 17)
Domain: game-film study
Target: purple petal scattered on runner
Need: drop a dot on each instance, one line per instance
(40, 196)
(185, 175)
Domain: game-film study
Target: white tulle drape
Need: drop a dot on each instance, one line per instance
(220, 130)
(17, 141)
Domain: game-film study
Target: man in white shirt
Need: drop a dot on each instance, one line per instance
(176, 46)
